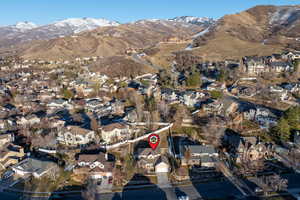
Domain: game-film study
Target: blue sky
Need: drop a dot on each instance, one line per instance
(46, 11)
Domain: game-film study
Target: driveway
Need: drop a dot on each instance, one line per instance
(105, 186)
(163, 180)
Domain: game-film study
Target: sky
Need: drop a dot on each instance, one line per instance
(48, 11)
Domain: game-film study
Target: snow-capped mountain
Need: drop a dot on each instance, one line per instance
(84, 24)
(28, 31)
(24, 26)
(194, 20)
(185, 20)
(8, 33)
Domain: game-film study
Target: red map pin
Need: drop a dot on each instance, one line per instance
(153, 140)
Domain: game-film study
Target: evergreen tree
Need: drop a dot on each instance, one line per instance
(194, 80)
(282, 130)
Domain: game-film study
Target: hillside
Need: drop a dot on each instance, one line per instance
(110, 41)
(260, 30)
(120, 66)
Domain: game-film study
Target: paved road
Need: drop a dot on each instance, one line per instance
(197, 191)
(212, 190)
(244, 189)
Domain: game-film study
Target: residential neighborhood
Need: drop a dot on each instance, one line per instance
(87, 127)
(150, 102)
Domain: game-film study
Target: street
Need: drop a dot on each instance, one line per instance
(211, 190)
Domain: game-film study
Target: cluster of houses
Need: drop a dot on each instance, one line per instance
(277, 63)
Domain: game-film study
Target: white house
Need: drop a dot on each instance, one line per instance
(115, 132)
(75, 135)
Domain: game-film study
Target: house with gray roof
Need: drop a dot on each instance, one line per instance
(198, 155)
(34, 167)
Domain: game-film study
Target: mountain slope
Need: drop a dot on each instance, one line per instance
(253, 31)
(110, 41)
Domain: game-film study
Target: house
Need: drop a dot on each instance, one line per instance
(213, 107)
(254, 65)
(257, 65)
(58, 103)
(131, 115)
(246, 91)
(93, 104)
(115, 132)
(215, 86)
(276, 89)
(146, 159)
(191, 98)
(291, 87)
(95, 166)
(10, 155)
(245, 149)
(203, 155)
(281, 93)
(117, 107)
(75, 135)
(169, 95)
(57, 123)
(34, 167)
(147, 153)
(6, 138)
(264, 117)
(29, 120)
(275, 57)
(291, 55)
(280, 67)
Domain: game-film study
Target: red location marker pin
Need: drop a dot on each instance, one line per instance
(153, 140)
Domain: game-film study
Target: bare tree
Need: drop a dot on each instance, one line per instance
(164, 110)
(214, 131)
(139, 104)
(275, 182)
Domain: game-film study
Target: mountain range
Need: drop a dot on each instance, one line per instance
(258, 30)
(27, 31)
(109, 40)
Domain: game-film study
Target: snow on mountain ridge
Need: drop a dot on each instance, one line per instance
(23, 26)
(284, 14)
(84, 24)
(193, 20)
